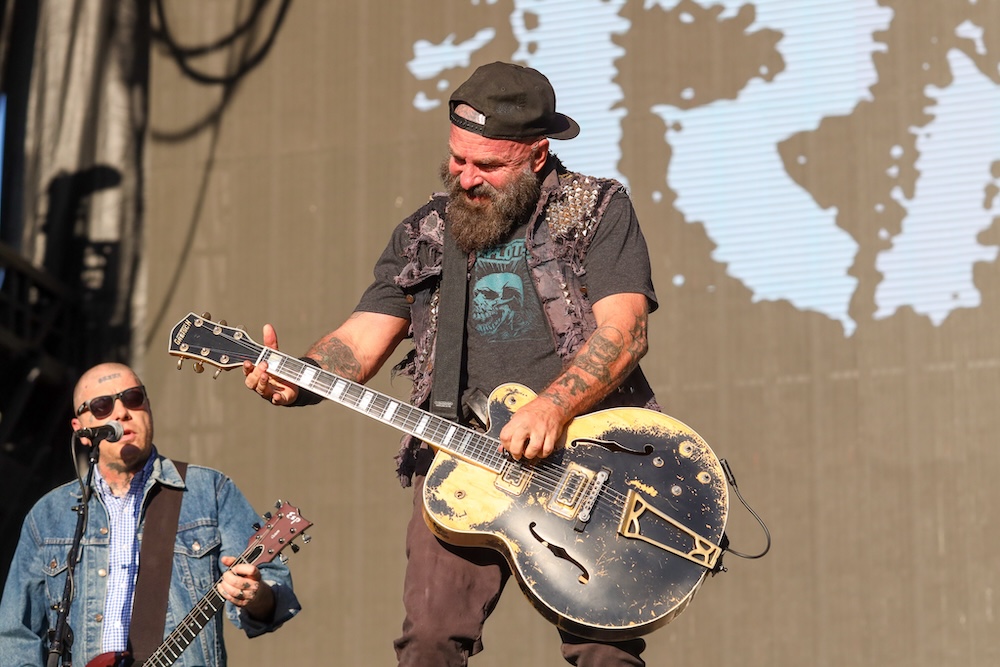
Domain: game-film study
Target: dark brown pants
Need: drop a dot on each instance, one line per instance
(450, 591)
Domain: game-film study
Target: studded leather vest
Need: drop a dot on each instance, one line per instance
(569, 209)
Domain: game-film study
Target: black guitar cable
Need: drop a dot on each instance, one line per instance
(731, 478)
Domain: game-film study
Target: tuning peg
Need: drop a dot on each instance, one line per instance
(278, 504)
(256, 526)
(266, 515)
(222, 323)
(295, 548)
(283, 558)
(306, 538)
(180, 364)
(217, 373)
(206, 316)
(199, 367)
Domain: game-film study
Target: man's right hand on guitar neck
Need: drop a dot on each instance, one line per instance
(258, 380)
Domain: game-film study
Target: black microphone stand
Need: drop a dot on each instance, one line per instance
(61, 637)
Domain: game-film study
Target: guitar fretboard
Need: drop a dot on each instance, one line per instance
(170, 650)
(456, 439)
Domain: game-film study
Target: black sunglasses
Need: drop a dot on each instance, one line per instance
(102, 406)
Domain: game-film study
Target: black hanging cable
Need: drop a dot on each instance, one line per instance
(182, 54)
(244, 62)
(194, 51)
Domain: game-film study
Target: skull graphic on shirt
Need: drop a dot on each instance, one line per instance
(497, 299)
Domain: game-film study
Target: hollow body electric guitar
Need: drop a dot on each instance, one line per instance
(278, 531)
(610, 537)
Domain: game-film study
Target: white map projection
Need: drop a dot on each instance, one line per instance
(948, 211)
(725, 167)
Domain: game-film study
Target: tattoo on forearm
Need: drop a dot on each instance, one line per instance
(557, 399)
(637, 344)
(574, 385)
(608, 357)
(598, 355)
(337, 358)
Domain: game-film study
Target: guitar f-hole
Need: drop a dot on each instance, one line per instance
(560, 552)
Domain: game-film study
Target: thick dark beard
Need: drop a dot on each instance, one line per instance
(480, 225)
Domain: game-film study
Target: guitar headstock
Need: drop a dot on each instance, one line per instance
(279, 530)
(198, 337)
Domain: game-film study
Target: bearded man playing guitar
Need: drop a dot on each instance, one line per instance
(558, 289)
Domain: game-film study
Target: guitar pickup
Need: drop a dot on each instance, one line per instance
(571, 491)
(513, 479)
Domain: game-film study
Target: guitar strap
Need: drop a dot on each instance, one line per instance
(156, 559)
(450, 347)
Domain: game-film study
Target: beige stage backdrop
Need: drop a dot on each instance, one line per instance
(817, 183)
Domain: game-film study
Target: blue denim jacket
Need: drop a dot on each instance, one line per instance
(215, 520)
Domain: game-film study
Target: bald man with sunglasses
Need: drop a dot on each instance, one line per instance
(215, 524)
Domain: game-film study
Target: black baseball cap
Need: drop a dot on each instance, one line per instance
(514, 102)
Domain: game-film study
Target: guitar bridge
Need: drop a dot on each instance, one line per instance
(701, 550)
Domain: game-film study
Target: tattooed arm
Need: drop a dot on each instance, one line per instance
(356, 350)
(603, 362)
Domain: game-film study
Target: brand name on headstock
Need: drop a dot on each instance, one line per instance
(182, 332)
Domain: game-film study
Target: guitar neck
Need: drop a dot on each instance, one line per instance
(170, 650)
(440, 433)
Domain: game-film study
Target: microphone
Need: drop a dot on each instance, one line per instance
(112, 432)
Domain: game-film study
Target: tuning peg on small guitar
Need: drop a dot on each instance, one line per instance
(180, 363)
(217, 373)
(199, 367)
(206, 316)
